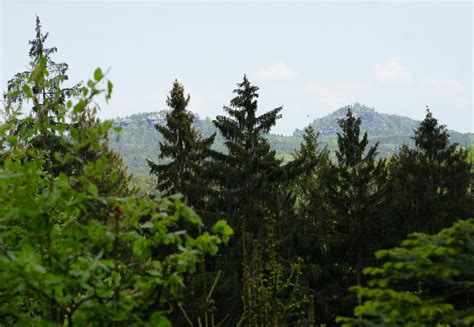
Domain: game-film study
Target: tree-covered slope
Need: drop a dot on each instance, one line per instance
(138, 140)
(375, 123)
(389, 130)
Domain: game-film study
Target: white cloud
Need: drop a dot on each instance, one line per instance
(392, 71)
(278, 71)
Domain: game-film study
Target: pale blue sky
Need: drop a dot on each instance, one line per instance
(310, 57)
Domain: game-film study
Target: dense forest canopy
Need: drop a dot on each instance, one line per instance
(220, 223)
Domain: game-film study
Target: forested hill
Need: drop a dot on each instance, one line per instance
(375, 123)
(138, 139)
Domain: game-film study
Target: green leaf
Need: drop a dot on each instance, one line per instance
(92, 189)
(74, 133)
(27, 90)
(159, 320)
(98, 74)
(79, 107)
(109, 88)
(141, 248)
(12, 139)
(224, 229)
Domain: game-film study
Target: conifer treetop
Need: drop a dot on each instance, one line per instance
(243, 109)
(351, 147)
(57, 73)
(37, 49)
(431, 137)
(176, 99)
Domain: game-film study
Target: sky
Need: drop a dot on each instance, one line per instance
(309, 57)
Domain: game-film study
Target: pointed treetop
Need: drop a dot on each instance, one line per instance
(351, 146)
(246, 95)
(309, 154)
(350, 126)
(37, 49)
(309, 146)
(431, 137)
(176, 99)
(243, 123)
(40, 56)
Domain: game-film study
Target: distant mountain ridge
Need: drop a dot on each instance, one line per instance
(375, 123)
(139, 141)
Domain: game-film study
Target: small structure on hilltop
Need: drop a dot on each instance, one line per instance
(152, 119)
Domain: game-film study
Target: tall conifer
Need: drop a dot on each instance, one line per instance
(49, 123)
(307, 234)
(185, 150)
(357, 195)
(431, 181)
(46, 102)
(248, 173)
(247, 177)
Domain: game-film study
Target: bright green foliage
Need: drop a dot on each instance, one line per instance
(426, 281)
(431, 182)
(45, 97)
(79, 246)
(70, 255)
(184, 149)
(53, 93)
(273, 291)
(279, 298)
(115, 179)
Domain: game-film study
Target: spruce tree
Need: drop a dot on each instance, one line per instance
(46, 101)
(50, 125)
(184, 149)
(431, 182)
(247, 178)
(357, 195)
(314, 163)
(248, 173)
(307, 234)
(53, 92)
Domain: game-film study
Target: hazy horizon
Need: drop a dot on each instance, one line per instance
(310, 58)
